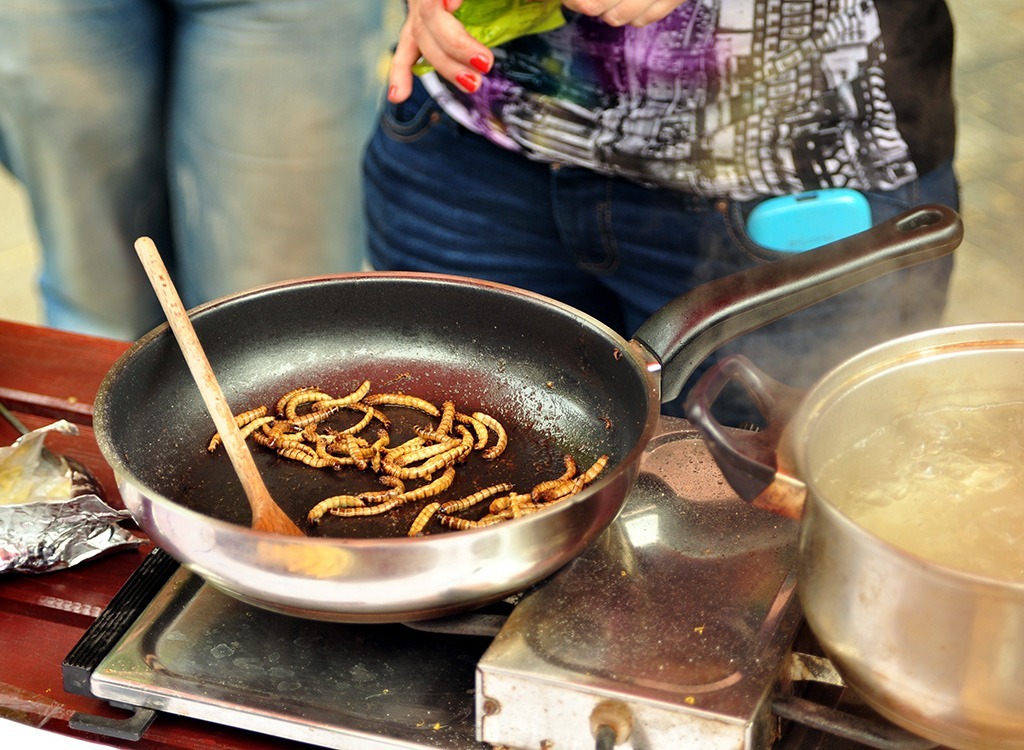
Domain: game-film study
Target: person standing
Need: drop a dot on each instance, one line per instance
(229, 131)
(613, 162)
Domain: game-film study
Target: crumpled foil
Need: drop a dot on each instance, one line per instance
(52, 514)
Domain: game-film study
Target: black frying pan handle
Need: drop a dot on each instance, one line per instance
(685, 331)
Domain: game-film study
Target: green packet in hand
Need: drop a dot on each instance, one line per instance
(495, 22)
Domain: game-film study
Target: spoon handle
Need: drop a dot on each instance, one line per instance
(266, 513)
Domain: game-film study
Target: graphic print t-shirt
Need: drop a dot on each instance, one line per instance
(730, 97)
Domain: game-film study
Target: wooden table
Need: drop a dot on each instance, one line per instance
(46, 375)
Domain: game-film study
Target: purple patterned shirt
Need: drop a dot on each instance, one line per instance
(730, 97)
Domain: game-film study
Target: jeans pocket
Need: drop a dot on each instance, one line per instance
(736, 226)
(412, 119)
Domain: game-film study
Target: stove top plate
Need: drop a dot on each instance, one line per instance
(680, 615)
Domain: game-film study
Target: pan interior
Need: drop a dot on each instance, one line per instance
(558, 382)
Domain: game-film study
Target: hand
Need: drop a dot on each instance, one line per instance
(432, 32)
(624, 12)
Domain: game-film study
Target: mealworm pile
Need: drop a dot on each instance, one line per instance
(297, 428)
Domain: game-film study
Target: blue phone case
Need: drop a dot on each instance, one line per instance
(794, 223)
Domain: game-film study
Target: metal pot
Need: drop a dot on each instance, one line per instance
(559, 381)
(937, 650)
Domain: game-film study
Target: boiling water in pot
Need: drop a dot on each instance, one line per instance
(947, 485)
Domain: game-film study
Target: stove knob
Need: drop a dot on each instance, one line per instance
(611, 723)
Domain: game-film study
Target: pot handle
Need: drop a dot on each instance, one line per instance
(690, 327)
(749, 459)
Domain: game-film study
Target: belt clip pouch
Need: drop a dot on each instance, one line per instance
(794, 223)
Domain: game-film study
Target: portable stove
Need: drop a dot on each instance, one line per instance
(669, 631)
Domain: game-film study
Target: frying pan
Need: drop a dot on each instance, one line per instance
(559, 381)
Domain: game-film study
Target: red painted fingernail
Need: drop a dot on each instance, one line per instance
(481, 63)
(468, 81)
(391, 92)
(449, 5)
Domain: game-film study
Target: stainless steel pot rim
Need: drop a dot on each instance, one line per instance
(996, 336)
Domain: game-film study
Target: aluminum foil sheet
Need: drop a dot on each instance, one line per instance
(52, 514)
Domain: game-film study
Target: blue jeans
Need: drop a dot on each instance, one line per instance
(230, 131)
(441, 199)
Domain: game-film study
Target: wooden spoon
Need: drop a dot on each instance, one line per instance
(266, 514)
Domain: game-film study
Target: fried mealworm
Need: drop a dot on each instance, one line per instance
(478, 429)
(434, 464)
(353, 397)
(283, 401)
(516, 510)
(422, 453)
(355, 446)
(436, 487)
(340, 445)
(591, 474)
(354, 450)
(245, 417)
(558, 490)
(298, 447)
(320, 446)
(394, 483)
(380, 496)
(340, 461)
(401, 399)
(572, 486)
(456, 506)
(312, 418)
(303, 397)
(420, 522)
(409, 445)
(375, 413)
(502, 503)
(368, 510)
(467, 442)
(262, 438)
(447, 418)
(307, 455)
(369, 414)
(275, 431)
(501, 439)
(461, 524)
(430, 435)
(428, 468)
(241, 420)
(521, 509)
(338, 501)
(254, 425)
(570, 472)
(362, 424)
(424, 470)
(246, 430)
